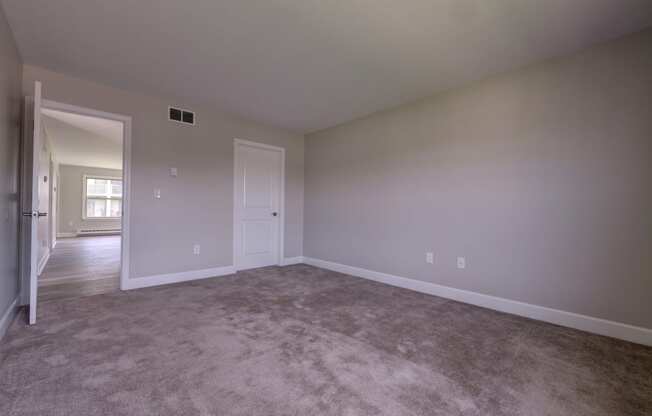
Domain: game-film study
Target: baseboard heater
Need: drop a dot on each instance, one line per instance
(113, 231)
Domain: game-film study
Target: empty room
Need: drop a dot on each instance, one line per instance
(357, 208)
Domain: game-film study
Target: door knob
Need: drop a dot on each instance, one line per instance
(35, 214)
(274, 214)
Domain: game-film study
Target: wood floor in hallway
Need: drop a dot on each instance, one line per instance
(81, 266)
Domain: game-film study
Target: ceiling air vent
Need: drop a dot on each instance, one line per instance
(181, 116)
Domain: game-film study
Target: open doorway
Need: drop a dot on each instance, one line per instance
(82, 190)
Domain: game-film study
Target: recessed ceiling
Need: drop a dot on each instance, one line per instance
(84, 141)
(307, 64)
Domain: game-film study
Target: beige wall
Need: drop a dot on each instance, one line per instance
(10, 114)
(541, 178)
(196, 206)
(70, 199)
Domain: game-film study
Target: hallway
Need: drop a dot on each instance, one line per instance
(81, 266)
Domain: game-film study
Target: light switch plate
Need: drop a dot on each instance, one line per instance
(461, 263)
(157, 193)
(174, 172)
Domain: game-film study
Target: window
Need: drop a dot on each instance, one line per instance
(102, 197)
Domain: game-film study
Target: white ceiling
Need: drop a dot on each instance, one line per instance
(84, 141)
(307, 64)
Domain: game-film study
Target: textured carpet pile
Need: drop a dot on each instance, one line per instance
(302, 341)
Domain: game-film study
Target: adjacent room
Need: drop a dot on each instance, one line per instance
(362, 208)
(82, 255)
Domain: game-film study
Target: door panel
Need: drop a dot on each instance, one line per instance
(259, 175)
(30, 200)
(257, 237)
(258, 179)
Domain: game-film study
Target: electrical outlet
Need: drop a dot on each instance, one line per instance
(157, 193)
(430, 258)
(196, 249)
(461, 263)
(174, 172)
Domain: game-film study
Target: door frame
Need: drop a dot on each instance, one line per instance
(281, 223)
(126, 174)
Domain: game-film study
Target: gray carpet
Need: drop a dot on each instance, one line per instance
(304, 341)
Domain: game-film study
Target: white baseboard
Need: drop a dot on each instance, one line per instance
(43, 262)
(164, 279)
(288, 261)
(8, 317)
(66, 235)
(586, 323)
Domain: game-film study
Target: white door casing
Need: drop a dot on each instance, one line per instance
(126, 174)
(258, 204)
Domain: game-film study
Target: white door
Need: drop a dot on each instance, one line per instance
(257, 211)
(30, 200)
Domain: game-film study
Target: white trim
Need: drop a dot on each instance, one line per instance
(43, 262)
(164, 279)
(66, 235)
(599, 326)
(126, 174)
(260, 145)
(281, 207)
(288, 261)
(8, 317)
